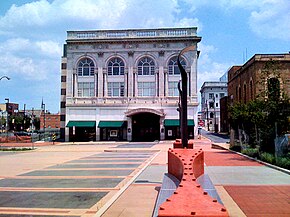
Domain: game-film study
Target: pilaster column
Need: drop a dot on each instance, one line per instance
(161, 82)
(157, 84)
(193, 77)
(100, 82)
(129, 129)
(105, 75)
(97, 133)
(135, 82)
(166, 82)
(75, 85)
(96, 82)
(126, 83)
(162, 128)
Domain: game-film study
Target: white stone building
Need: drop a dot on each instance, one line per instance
(211, 93)
(122, 84)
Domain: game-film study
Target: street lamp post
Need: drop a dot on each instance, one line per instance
(7, 116)
(215, 121)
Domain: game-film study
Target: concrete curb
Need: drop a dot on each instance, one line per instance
(254, 159)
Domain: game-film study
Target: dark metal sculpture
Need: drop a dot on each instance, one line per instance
(183, 96)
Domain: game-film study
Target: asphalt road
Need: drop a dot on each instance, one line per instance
(215, 137)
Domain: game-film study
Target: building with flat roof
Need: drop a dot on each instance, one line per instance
(211, 93)
(122, 84)
(257, 75)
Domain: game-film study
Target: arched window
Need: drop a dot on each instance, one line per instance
(240, 94)
(245, 92)
(251, 89)
(86, 67)
(116, 66)
(173, 67)
(146, 66)
(273, 88)
(211, 115)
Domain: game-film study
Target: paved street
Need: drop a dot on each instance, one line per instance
(123, 179)
(214, 137)
(73, 180)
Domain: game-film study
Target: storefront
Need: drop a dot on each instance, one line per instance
(82, 131)
(172, 129)
(113, 130)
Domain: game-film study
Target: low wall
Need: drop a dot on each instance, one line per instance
(189, 199)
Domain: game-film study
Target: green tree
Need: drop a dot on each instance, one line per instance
(268, 115)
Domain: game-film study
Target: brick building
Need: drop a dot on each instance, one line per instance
(257, 75)
(49, 121)
(255, 79)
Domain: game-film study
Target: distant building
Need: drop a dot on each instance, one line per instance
(49, 121)
(122, 84)
(257, 76)
(224, 78)
(12, 108)
(224, 119)
(211, 93)
(32, 112)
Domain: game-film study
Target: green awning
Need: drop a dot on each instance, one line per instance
(103, 124)
(81, 124)
(175, 122)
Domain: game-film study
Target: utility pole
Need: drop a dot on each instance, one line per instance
(207, 120)
(24, 121)
(43, 107)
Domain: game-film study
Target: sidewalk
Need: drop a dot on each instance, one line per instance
(246, 187)
(123, 179)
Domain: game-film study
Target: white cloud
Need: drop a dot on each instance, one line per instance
(49, 48)
(187, 22)
(30, 14)
(23, 68)
(94, 14)
(267, 18)
(15, 44)
(272, 20)
(29, 60)
(208, 69)
(26, 47)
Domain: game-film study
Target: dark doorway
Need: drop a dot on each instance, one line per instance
(145, 127)
(82, 134)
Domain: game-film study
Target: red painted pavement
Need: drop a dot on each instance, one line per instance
(266, 201)
(189, 199)
(27, 144)
(226, 158)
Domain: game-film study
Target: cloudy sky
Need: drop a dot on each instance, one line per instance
(32, 34)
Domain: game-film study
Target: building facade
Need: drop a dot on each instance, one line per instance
(211, 93)
(122, 84)
(49, 121)
(256, 77)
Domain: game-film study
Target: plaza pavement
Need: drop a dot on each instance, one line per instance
(123, 179)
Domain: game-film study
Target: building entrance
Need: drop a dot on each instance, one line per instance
(145, 127)
(82, 134)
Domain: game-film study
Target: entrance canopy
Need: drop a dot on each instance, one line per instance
(175, 122)
(81, 124)
(103, 124)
